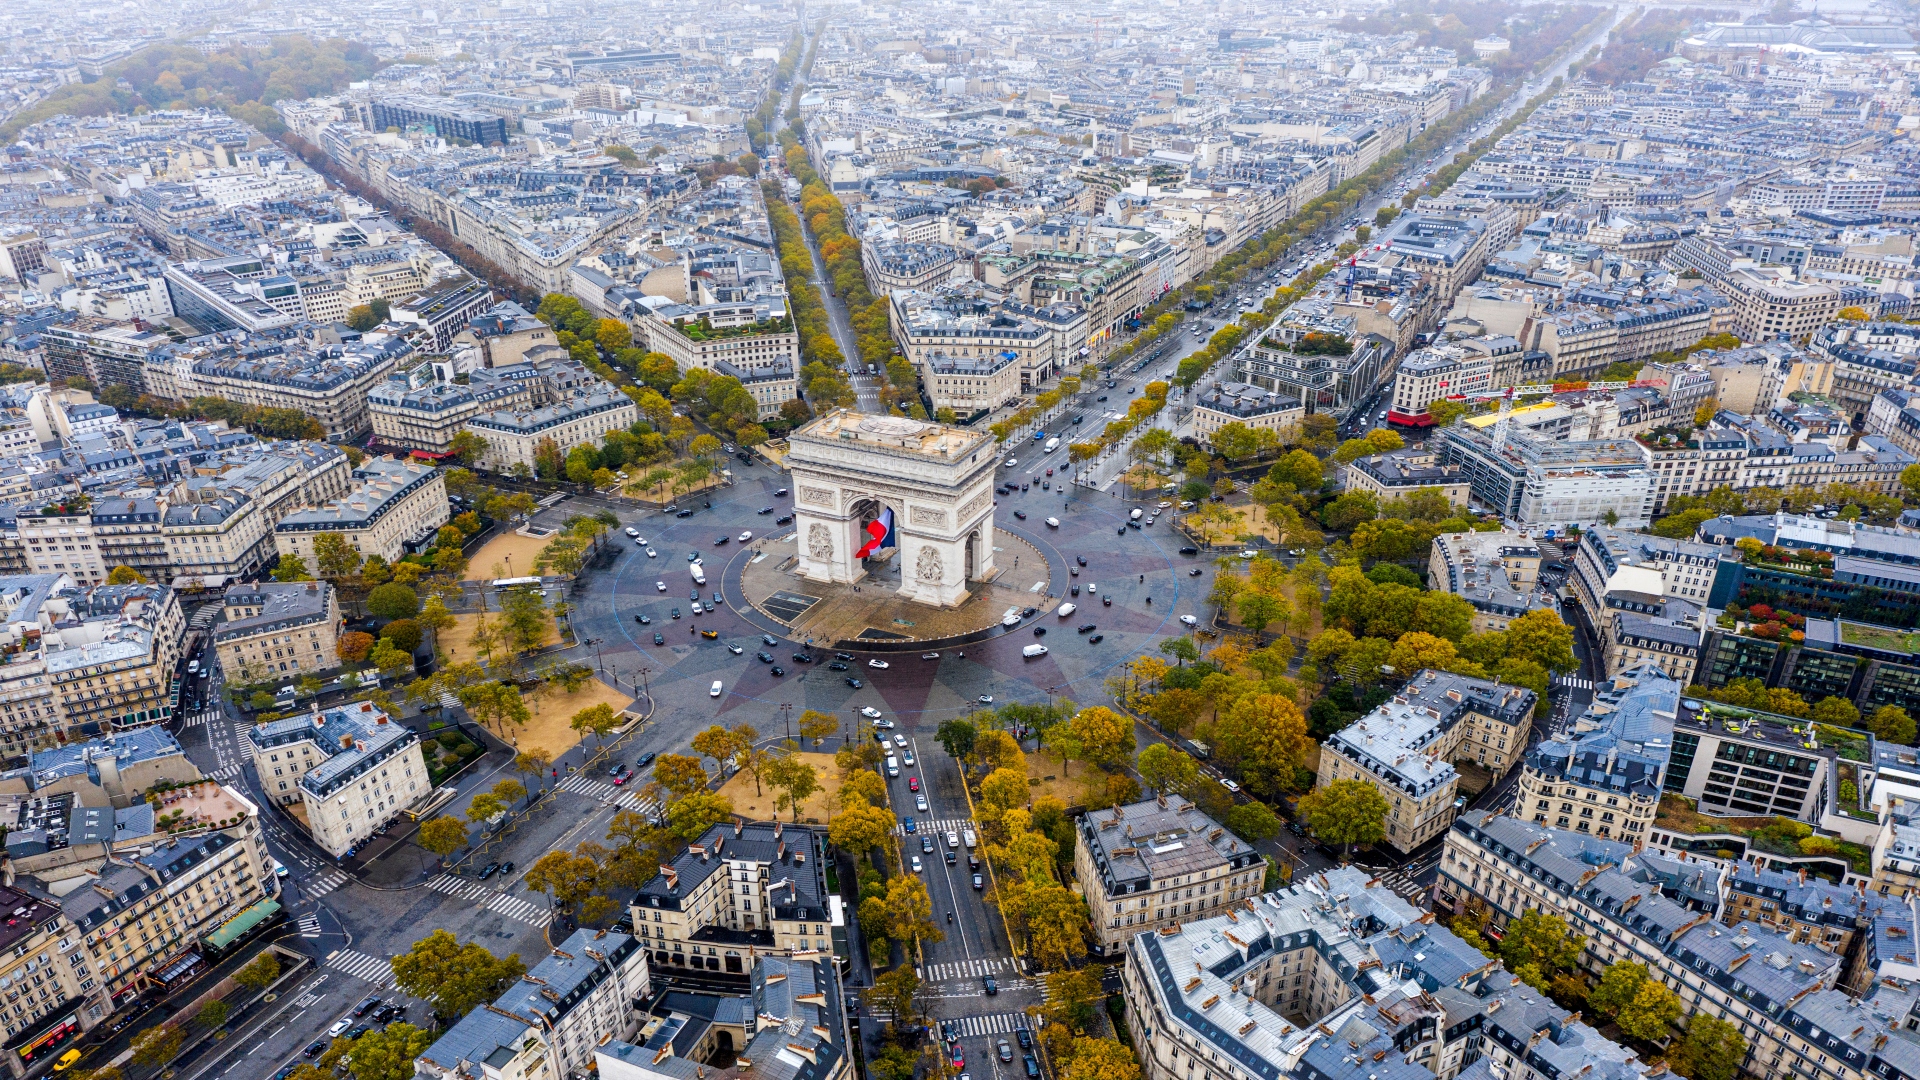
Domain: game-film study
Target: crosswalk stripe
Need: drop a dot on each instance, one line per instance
(227, 773)
(992, 1024)
(323, 884)
(936, 828)
(371, 969)
(309, 925)
(458, 887)
(514, 907)
(960, 969)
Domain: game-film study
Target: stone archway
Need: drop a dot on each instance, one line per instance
(848, 467)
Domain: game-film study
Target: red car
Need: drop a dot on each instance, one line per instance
(959, 1057)
(913, 783)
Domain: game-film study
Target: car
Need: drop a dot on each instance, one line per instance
(710, 635)
(913, 783)
(1195, 572)
(356, 1031)
(1084, 628)
(693, 556)
(953, 839)
(930, 656)
(316, 1048)
(660, 585)
(780, 493)
(884, 725)
(642, 619)
(621, 774)
(985, 699)
(1005, 1050)
(1296, 828)
(907, 824)
(1081, 559)
(979, 882)
(843, 656)
(651, 554)
(1297, 552)
(959, 1055)
(722, 541)
(714, 690)
(675, 612)
(633, 532)
(1033, 1068)
(684, 514)
(1039, 631)
(953, 858)
(1026, 1040)
(778, 670)
(1189, 620)
(1028, 613)
(916, 864)
(745, 536)
(1096, 639)
(992, 987)
(836, 666)
(66, 1060)
(1011, 462)
(853, 682)
(646, 759)
(900, 740)
(1021, 514)
(926, 844)
(769, 639)
(1102, 397)
(735, 649)
(764, 657)
(784, 519)
(1230, 785)
(658, 639)
(339, 1028)
(1121, 531)
(871, 713)
(1075, 590)
(764, 510)
(881, 664)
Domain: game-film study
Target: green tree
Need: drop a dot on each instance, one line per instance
(596, 720)
(1542, 637)
(157, 1045)
(1649, 1014)
(1252, 821)
(1168, 771)
(1837, 711)
(388, 1053)
(390, 601)
(1712, 1049)
(442, 835)
(898, 994)
(957, 737)
(1346, 812)
(260, 972)
(454, 978)
(525, 619)
(334, 557)
(1618, 985)
(1890, 723)
(1537, 947)
(291, 567)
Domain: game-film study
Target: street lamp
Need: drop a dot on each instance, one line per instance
(786, 712)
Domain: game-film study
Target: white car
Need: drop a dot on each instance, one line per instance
(1248, 554)
(916, 864)
(877, 664)
(883, 725)
(661, 585)
(633, 531)
(920, 804)
(1011, 462)
(651, 553)
(714, 690)
(869, 712)
(1190, 620)
(746, 536)
(1164, 504)
(1092, 589)
(899, 740)
(907, 759)
(1230, 785)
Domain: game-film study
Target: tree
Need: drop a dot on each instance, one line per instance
(1651, 1011)
(1257, 610)
(910, 910)
(690, 817)
(860, 829)
(213, 1014)
(1537, 947)
(390, 658)
(1712, 1049)
(1167, 770)
(292, 567)
(260, 973)
(126, 575)
(1541, 636)
(390, 601)
(1099, 1059)
(957, 737)
(334, 558)
(596, 720)
(678, 776)
(1346, 812)
(1910, 481)
(454, 978)
(485, 806)
(1890, 723)
(1617, 986)
(1056, 921)
(817, 725)
(1837, 711)
(1102, 735)
(388, 1053)
(898, 994)
(402, 634)
(524, 619)
(157, 1045)
(1252, 821)
(795, 777)
(355, 645)
(442, 835)
(567, 879)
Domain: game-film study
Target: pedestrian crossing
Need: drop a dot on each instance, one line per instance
(1402, 886)
(309, 925)
(199, 719)
(458, 887)
(241, 736)
(316, 887)
(993, 1024)
(961, 969)
(225, 773)
(204, 617)
(1573, 682)
(373, 969)
(937, 827)
(521, 909)
(582, 784)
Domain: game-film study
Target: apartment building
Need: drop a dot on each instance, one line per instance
(959, 325)
(1537, 482)
(550, 1023)
(1249, 406)
(1694, 462)
(109, 770)
(1771, 301)
(970, 385)
(1401, 472)
(1498, 573)
(1158, 863)
(393, 504)
(329, 383)
(792, 1022)
(216, 537)
(1609, 560)
(414, 410)
(581, 416)
(1406, 747)
(742, 339)
(1662, 631)
(1605, 774)
(445, 308)
(352, 768)
(740, 891)
(53, 993)
(273, 630)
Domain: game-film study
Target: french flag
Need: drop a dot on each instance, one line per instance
(881, 529)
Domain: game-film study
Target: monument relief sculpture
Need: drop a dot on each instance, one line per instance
(930, 566)
(820, 541)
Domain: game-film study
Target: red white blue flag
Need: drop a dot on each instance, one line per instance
(881, 529)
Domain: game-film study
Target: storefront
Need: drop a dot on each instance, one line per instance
(42, 1040)
(176, 971)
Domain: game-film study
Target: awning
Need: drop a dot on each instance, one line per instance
(235, 928)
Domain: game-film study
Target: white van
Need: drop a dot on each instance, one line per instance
(1053, 523)
(714, 690)
(1135, 516)
(1066, 610)
(1033, 651)
(1051, 445)
(967, 835)
(893, 765)
(1011, 618)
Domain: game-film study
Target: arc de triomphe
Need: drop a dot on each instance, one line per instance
(938, 480)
